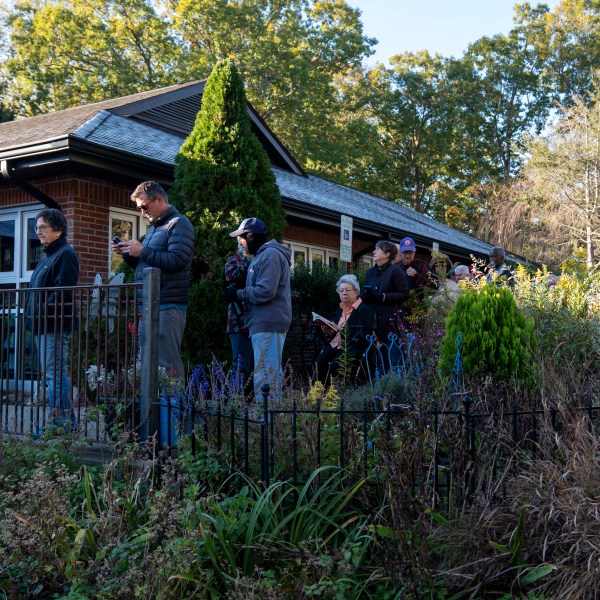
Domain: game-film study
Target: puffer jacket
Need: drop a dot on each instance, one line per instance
(389, 285)
(168, 246)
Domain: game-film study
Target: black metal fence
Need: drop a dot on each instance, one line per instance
(100, 325)
(443, 454)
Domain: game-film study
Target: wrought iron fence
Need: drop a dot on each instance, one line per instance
(100, 324)
(443, 453)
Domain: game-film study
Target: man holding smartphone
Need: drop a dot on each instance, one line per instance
(168, 246)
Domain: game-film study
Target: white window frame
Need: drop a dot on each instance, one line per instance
(309, 249)
(139, 229)
(19, 214)
(366, 260)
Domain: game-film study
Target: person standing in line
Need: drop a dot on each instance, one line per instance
(168, 246)
(498, 268)
(51, 315)
(236, 270)
(345, 345)
(385, 287)
(418, 273)
(267, 301)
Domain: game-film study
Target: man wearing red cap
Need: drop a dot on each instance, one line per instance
(418, 272)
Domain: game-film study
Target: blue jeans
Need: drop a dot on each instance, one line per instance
(53, 357)
(268, 348)
(241, 346)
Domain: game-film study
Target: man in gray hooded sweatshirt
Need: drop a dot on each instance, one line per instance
(267, 301)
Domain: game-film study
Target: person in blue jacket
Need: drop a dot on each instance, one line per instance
(168, 246)
(50, 312)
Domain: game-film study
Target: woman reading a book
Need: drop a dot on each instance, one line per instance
(346, 332)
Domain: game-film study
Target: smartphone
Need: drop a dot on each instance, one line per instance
(117, 240)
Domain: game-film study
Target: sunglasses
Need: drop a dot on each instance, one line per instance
(144, 207)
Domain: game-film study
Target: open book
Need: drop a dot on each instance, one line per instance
(323, 321)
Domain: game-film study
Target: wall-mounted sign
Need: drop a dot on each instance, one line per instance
(346, 239)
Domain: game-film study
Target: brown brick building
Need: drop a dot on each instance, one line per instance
(87, 160)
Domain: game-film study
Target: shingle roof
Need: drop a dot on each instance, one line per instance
(119, 133)
(403, 221)
(140, 126)
(44, 128)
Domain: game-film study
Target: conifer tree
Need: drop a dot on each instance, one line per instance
(222, 173)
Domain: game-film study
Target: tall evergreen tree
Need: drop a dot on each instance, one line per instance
(222, 175)
(222, 172)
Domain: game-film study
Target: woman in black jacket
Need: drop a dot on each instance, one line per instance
(347, 342)
(50, 312)
(385, 289)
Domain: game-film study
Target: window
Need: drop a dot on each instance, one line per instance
(33, 248)
(317, 256)
(7, 246)
(312, 254)
(20, 249)
(128, 225)
(367, 261)
(299, 256)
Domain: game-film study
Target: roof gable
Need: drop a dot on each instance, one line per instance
(172, 109)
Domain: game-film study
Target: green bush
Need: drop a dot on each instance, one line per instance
(497, 336)
(205, 332)
(567, 318)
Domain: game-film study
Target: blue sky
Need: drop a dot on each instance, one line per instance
(443, 26)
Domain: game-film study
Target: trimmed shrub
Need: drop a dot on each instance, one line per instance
(497, 337)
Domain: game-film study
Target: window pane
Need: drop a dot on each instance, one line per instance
(299, 257)
(334, 261)
(318, 256)
(33, 252)
(7, 246)
(123, 229)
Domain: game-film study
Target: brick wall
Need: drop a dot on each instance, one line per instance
(85, 202)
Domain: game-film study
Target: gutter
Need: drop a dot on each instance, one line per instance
(8, 174)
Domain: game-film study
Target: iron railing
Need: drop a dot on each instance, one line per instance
(113, 386)
(444, 453)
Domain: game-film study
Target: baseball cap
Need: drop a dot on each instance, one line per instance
(251, 225)
(407, 244)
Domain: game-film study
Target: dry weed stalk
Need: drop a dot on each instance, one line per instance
(549, 515)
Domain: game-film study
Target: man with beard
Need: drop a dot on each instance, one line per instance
(266, 299)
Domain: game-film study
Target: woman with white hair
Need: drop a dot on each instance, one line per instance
(347, 342)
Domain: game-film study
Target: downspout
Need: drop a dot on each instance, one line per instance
(26, 187)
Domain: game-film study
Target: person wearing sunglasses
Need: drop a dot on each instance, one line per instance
(168, 246)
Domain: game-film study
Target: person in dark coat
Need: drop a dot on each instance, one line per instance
(347, 343)
(50, 313)
(168, 246)
(418, 272)
(236, 270)
(386, 289)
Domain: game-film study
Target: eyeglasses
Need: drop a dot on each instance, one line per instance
(41, 228)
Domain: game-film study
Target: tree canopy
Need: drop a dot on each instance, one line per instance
(447, 136)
